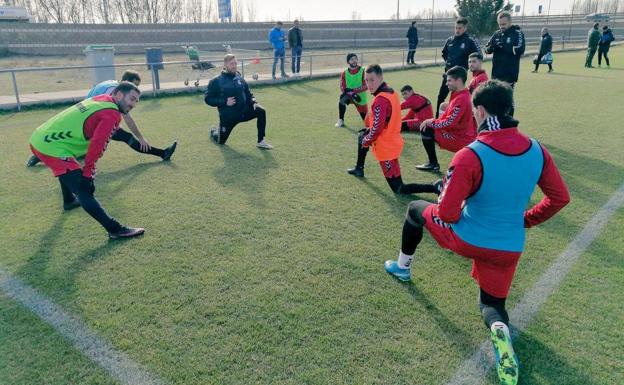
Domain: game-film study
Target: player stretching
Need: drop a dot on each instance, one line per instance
(383, 135)
(84, 129)
(136, 141)
(352, 89)
(482, 213)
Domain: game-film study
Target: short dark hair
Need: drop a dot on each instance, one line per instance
(350, 55)
(596, 25)
(605, 27)
(130, 76)
(476, 55)
(505, 14)
(413, 22)
(458, 72)
(125, 88)
(461, 20)
(407, 87)
(495, 96)
(279, 23)
(374, 69)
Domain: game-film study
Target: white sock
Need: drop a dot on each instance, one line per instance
(500, 325)
(405, 261)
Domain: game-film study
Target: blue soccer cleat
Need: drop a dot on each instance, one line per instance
(392, 267)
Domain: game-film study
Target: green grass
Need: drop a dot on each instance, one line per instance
(266, 267)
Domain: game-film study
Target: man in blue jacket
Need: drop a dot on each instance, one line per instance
(604, 45)
(230, 93)
(277, 38)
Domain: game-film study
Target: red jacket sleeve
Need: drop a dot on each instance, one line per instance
(343, 83)
(382, 109)
(556, 194)
(462, 179)
(98, 128)
(449, 121)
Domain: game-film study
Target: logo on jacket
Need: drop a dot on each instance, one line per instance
(463, 45)
(508, 40)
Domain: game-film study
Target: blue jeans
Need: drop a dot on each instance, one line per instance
(279, 53)
(296, 59)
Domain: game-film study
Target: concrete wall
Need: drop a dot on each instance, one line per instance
(62, 39)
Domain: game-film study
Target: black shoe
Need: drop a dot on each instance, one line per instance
(214, 135)
(356, 171)
(33, 160)
(126, 232)
(428, 167)
(71, 205)
(169, 151)
(439, 186)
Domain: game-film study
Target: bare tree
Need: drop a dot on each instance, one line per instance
(252, 13)
(237, 11)
(54, 9)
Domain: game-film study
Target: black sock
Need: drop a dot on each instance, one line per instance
(68, 196)
(492, 309)
(341, 111)
(429, 145)
(362, 151)
(417, 188)
(412, 235)
(136, 146)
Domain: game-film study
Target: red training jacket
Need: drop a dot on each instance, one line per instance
(98, 129)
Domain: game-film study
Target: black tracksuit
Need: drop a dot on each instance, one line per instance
(545, 47)
(455, 53)
(219, 90)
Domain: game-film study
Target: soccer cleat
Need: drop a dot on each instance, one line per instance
(71, 205)
(439, 186)
(126, 232)
(550, 70)
(214, 135)
(392, 267)
(33, 160)
(356, 171)
(506, 360)
(428, 167)
(339, 123)
(169, 151)
(264, 145)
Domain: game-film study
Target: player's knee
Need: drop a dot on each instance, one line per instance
(415, 211)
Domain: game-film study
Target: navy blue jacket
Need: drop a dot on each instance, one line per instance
(457, 49)
(507, 47)
(227, 85)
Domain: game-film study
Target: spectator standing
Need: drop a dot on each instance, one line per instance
(295, 41)
(412, 42)
(545, 51)
(277, 38)
(604, 45)
(593, 38)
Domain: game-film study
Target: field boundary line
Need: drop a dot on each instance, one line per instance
(97, 349)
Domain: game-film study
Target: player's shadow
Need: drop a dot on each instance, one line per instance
(246, 172)
(397, 202)
(456, 335)
(539, 363)
(303, 88)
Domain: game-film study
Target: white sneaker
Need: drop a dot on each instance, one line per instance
(264, 145)
(340, 123)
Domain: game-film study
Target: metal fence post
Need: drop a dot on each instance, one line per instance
(243, 68)
(362, 59)
(402, 58)
(153, 81)
(435, 57)
(19, 104)
(311, 66)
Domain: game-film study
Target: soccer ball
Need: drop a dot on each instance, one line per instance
(255, 76)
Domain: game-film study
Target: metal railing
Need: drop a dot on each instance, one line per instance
(317, 65)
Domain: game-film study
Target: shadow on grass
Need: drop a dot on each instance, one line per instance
(460, 340)
(301, 88)
(246, 172)
(540, 364)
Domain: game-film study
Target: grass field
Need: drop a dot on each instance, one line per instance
(266, 267)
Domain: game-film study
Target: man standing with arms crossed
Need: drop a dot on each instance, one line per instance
(507, 46)
(455, 53)
(295, 41)
(85, 130)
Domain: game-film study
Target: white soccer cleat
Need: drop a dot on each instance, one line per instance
(264, 145)
(339, 123)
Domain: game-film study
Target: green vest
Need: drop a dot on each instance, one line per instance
(62, 136)
(355, 81)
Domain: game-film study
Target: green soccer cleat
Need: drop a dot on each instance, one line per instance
(506, 360)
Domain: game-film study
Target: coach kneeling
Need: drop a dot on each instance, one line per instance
(230, 93)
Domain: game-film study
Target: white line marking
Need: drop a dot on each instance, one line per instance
(116, 363)
(473, 370)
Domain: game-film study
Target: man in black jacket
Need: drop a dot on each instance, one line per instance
(545, 48)
(507, 46)
(230, 93)
(455, 53)
(412, 42)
